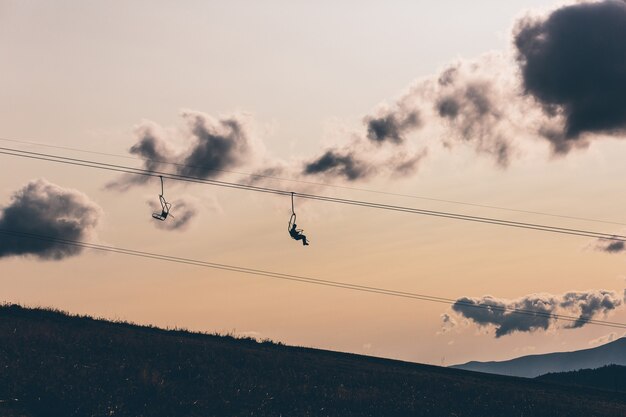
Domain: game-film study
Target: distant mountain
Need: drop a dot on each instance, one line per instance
(611, 378)
(531, 366)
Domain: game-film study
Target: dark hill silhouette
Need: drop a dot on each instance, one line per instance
(52, 364)
(613, 353)
(611, 377)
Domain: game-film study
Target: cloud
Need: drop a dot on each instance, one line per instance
(572, 62)
(564, 82)
(589, 304)
(406, 164)
(181, 214)
(585, 305)
(475, 101)
(211, 147)
(391, 127)
(46, 209)
(271, 172)
(338, 164)
(609, 245)
(448, 323)
(151, 147)
(218, 144)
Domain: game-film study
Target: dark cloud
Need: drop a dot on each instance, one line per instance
(610, 246)
(219, 145)
(362, 161)
(614, 247)
(181, 214)
(213, 146)
(574, 63)
(590, 304)
(46, 209)
(151, 148)
(473, 98)
(497, 312)
(338, 164)
(472, 107)
(506, 321)
(391, 127)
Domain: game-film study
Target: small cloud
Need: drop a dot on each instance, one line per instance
(338, 164)
(448, 323)
(46, 209)
(181, 214)
(609, 245)
(391, 126)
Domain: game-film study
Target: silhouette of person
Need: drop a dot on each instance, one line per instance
(297, 234)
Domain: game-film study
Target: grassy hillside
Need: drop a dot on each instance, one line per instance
(611, 377)
(52, 364)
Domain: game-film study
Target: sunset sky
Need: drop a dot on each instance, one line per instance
(445, 100)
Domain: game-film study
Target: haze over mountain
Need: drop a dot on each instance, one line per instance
(530, 366)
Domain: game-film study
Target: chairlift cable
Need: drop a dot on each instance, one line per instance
(322, 184)
(309, 280)
(310, 196)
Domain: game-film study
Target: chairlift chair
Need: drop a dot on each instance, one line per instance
(296, 234)
(165, 206)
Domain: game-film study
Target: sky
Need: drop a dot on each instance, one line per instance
(480, 102)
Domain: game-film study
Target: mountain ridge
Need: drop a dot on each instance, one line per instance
(531, 366)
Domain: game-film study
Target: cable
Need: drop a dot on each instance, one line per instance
(305, 279)
(411, 210)
(322, 184)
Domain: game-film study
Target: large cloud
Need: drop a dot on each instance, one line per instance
(564, 82)
(212, 147)
(573, 61)
(46, 209)
(473, 103)
(494, 312)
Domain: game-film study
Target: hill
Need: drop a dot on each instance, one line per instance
(611, 378)
(52, 364)
(531, 366)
